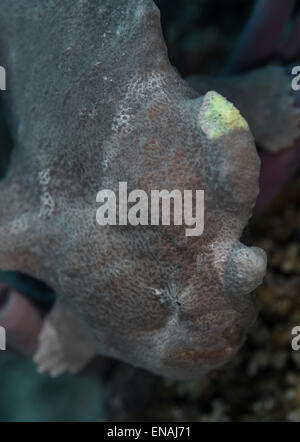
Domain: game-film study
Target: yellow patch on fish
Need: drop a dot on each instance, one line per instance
(218, 116)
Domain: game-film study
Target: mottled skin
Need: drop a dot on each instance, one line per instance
(93, 101)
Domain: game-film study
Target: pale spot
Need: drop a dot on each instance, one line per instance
(19, 225)
(44, 177)
(47, 205)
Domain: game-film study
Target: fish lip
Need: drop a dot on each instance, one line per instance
(213, 356)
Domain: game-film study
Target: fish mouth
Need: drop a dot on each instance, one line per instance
(205, 356)
(213, 355)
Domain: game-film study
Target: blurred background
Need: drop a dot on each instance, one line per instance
(263, 382)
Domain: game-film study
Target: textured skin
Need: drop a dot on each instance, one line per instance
(93, 101)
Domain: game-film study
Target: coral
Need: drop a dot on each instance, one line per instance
(93, 101)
